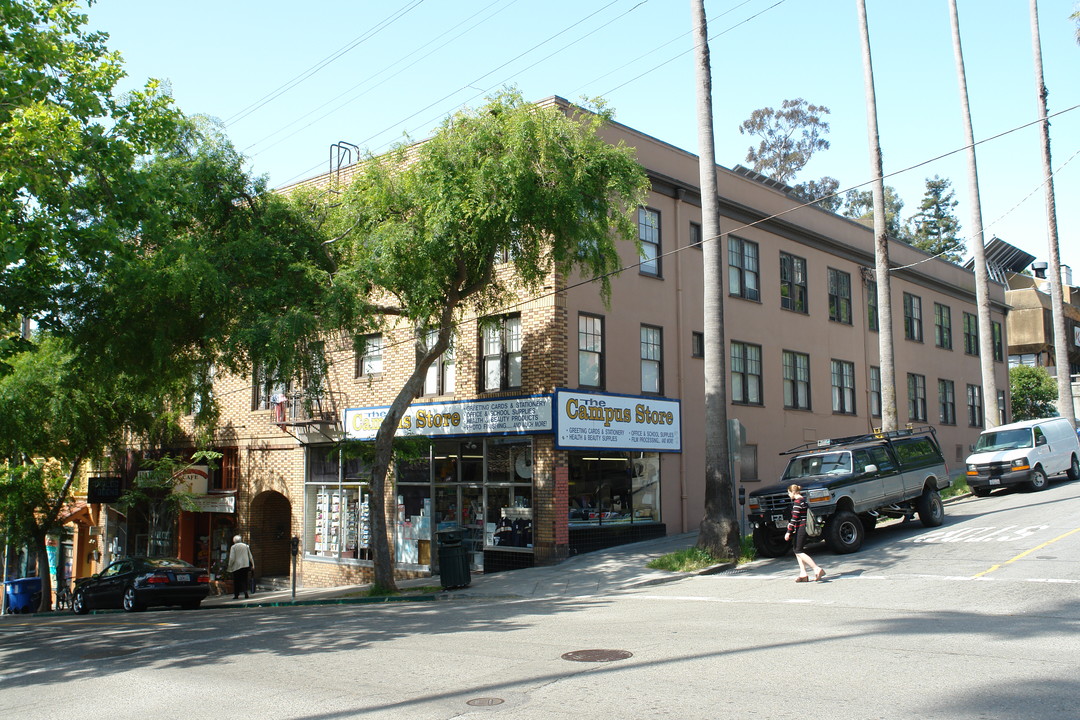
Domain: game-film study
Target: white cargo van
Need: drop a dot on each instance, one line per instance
(1027, 452)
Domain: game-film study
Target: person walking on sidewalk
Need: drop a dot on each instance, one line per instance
(797, 527)
(240, 565)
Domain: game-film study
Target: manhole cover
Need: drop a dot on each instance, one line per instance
(597, 655)
(104, 654)
(484, 702)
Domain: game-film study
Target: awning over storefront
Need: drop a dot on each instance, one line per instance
(77, 512)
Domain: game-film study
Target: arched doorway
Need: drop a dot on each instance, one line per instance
(271, 519)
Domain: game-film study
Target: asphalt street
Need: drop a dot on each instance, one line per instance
(975, 619)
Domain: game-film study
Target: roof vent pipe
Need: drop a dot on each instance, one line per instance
(1039, 268)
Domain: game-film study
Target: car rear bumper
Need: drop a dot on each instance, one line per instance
(171, 595)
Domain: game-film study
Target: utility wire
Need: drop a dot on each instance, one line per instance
(518, 304)
(282, 89)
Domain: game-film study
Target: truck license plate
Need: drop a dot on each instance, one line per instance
(778, 520)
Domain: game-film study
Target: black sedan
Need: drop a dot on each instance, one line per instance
(135, 583)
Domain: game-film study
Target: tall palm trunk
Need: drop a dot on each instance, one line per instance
(881, 237)
(719, 529)
(1057, 302)
(982, 280)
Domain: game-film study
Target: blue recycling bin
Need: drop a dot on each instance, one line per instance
(23, 595)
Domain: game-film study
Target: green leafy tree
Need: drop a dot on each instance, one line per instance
(859, 205)
(935, 225)
(421, 229)
(1034, 392)
(787, 138)
(67, 148)
(56, 416)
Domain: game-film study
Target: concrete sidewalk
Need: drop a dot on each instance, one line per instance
(596, 573)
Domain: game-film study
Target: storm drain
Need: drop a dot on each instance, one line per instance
(484, 702)
(597, 655)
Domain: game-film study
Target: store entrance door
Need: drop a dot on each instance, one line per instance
(460, 504)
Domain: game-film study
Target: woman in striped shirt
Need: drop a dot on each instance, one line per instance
(797, 527)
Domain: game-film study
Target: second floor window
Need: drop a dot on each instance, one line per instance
(839, 296)
(370, 360)
(916, 397)
(971, 335)
(590, 351)
(843, 387)
(912, 317)
(743, 271)
(796, 380)
(793, 293)
(440, 378)
(942, 326)
(649, 234)
(695, 235)
(269, 393)
(745, 373)
(500, 340)
(652, 355)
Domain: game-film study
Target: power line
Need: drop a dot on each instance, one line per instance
(355, 42)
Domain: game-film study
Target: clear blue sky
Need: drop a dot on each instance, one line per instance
(289, 79)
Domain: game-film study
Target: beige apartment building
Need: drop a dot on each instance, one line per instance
(564, 426)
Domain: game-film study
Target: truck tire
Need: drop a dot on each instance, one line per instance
(769, 543)
(1038, 480)
(1074, 469)
(931, 509)
(844, 532)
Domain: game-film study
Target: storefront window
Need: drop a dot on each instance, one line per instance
(337, 506)
(614, 487)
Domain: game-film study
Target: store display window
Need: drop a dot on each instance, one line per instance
(337, 506)
(614, 487)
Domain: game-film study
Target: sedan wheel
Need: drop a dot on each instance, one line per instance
(78, 604)
(130, 603)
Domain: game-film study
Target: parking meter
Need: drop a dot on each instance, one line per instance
(295, 543)
(295, 548)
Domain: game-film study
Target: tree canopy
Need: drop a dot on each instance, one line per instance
(68, 144)
(421, 230)
(1033, 392)
(787, 138)
(859, 205)
(935, 226)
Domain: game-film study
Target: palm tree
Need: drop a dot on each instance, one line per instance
(982, 282)
(1057, 302)
(720, 531)
(881, 237)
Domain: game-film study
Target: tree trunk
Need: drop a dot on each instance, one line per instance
(384, 455)
(982, 280)
(1057, 301)
(41, 555)
(881, 238)
(720, 532)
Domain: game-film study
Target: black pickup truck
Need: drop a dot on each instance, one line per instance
(850, 482)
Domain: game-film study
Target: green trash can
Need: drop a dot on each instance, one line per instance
(453, 560)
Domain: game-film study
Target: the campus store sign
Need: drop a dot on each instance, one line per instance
(616, 422)
(504, 416)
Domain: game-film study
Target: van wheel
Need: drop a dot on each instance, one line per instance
(1074, 469)
(931, 509)
(770, 543)
(1038, 479)
(844, 532)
